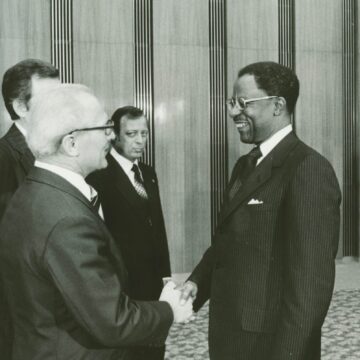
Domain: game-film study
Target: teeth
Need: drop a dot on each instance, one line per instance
(241, 125)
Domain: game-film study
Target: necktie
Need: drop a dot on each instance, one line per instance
(249, 165)
(138, 182)
(95, 202)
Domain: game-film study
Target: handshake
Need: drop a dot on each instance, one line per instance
(180, 298)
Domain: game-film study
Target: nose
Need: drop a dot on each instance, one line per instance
(139, 138)
(235, 112)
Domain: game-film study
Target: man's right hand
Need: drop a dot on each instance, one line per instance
(182, 312)
(188, 291)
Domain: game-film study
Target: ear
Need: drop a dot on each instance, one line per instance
(20, 108)
(280, 106)
(69, 145)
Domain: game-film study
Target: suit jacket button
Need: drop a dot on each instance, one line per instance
(150, 222)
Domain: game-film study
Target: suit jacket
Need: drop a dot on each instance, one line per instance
(66, 280)
(16, 160)
(270, 270)
(137, 227)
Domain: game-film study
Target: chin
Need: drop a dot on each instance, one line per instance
(246, 139)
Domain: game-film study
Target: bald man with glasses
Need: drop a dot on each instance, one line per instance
(64, 276)
(269, 273)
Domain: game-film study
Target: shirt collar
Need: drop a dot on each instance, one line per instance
(270, 143)
(21, 129)
(125, 163)
(72, 177)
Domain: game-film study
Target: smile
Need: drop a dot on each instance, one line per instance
(241, 124)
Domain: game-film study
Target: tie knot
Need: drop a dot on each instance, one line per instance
(135, 169)
(255, 153)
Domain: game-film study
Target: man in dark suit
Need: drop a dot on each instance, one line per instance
(270, 271)
(63, 274)
(129, 196)
(20, 83)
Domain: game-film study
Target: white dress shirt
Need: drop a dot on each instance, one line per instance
(126, 165)
(270, 143)
(20, 128)
(73, 178)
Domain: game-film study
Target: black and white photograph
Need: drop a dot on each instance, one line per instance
(179, 180)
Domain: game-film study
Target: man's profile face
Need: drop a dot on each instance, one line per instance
(131, 140)
(94, 145)
(255, 122)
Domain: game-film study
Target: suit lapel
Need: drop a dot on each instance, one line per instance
(18, 143)
(261, 174)
(124, 185)
(47, 177)
(258, 177)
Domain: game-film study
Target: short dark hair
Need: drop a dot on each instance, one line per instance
(16, 82)
(275, 79)
(131, 112)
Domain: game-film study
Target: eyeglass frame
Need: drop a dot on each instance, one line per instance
(246, 101)
(110, 125)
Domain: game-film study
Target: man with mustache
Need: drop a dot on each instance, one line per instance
(269, 273)
(130, 198)
(64, 276)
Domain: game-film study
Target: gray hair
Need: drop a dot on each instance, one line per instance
(56, 113)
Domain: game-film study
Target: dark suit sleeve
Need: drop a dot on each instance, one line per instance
(164, 255)
(77, 258)
(203, 271)
(201, 276)
(311, 240)
(8, 183)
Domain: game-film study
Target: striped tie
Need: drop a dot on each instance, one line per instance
(138, 182)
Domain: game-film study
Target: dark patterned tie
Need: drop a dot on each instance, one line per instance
(250, 161)
(138, 182)
(95, 200)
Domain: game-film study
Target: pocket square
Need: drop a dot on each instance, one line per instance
(255, 202)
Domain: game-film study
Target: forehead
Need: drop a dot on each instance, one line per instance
(39, 85)
(246, 86)
(92, 109)
(139, 123)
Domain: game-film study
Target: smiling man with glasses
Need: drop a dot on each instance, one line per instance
(270, 271)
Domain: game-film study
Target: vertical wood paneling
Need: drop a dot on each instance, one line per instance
(143, 69)
(182, 147)
(287, 33)
(24, 33)
(103, 43)
(287, 38)
(218, 120)
(252, 35)
(350, 175)
(319, 112)
(61, 38)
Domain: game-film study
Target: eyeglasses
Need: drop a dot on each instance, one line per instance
(108, 128)
(241, 103)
